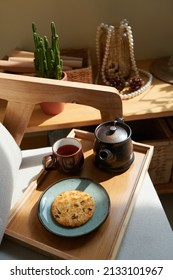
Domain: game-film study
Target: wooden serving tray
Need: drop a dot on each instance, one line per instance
(103, 243)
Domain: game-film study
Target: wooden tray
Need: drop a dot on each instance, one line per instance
(104, 242)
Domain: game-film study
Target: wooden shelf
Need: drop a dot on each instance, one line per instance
(153, 103)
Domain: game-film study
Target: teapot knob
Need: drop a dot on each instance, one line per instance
(112, 129)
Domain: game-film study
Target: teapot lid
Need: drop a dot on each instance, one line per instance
(112, 132)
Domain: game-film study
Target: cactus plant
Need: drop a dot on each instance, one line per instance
(48, 64)
(47, 60)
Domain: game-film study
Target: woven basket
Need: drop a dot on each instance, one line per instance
(169, 121)
(156, 132)
(83, 74)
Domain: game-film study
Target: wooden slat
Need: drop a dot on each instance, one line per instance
(25, 92)
(16, 119)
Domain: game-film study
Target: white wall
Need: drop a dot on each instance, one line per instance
(77, 20)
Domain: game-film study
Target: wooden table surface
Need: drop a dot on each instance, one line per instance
(155, 102)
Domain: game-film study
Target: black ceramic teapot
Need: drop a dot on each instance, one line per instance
(113, 147)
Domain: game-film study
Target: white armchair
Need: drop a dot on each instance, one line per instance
(11, 157)
(148, 235)
(17, 169)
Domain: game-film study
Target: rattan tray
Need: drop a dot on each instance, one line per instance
(102, 243)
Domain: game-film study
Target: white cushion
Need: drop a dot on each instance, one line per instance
(31, 165)
(10, 155)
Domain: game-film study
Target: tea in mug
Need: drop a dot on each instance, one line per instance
(67, 150)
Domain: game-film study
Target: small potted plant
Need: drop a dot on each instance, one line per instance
(48, 64)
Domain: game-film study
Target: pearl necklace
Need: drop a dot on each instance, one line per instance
(124, 27)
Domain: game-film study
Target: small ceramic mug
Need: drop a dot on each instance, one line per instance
(67, 156)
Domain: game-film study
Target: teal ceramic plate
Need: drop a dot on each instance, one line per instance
(101, 200)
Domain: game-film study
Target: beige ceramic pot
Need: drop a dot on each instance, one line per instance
(53, 108)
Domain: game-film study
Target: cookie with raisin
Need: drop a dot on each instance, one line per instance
(73, 208)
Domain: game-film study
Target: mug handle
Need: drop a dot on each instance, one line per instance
(49, 163)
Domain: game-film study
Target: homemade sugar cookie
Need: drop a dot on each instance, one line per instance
(72, 208)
